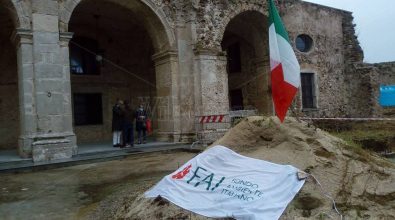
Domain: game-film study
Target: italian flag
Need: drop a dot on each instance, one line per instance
(285, 69)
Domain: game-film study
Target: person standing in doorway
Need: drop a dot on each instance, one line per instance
(141, 126)
(128, 134)
(117, 119)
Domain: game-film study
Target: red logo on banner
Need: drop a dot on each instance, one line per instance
(182, 173)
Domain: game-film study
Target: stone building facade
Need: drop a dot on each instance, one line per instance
(65, 62)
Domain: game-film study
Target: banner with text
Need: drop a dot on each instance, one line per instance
(220, 183)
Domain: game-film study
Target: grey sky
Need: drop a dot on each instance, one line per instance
(375, 22)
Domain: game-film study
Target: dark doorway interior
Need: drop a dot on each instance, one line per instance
(9, 93)
(234, 58)
(236, 99)
(246, 46)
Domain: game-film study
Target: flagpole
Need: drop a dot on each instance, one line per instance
(293, 110)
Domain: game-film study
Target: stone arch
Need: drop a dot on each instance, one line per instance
(140, 57)
(252, 24)
(233, 14)
(244, 37)
(19, 11)
(217, 16)
(154, 18)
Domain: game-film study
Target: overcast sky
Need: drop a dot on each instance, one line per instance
(375, 29)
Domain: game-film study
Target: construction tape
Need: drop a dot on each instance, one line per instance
(350, 119)
(211, 119)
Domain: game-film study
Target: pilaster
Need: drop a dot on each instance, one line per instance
(212, 79)
(23, 39)
(167, 86)
(54, 138)
(64, 42)
(211, 92)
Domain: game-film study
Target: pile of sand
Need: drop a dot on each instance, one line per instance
(362, 184)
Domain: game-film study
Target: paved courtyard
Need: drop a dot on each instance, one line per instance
(76, 192)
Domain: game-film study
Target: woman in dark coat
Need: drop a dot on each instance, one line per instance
(117, 120)
(127, 133)
(141, 128)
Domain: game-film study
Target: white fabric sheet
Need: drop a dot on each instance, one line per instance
(220, 183)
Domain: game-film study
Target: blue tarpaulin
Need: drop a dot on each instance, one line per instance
(387, 96)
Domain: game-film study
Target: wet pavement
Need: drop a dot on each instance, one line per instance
(84, 191)
(75, 192)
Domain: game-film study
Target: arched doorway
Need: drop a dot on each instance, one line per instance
(111, 57)
(246, 44)
(9, 98)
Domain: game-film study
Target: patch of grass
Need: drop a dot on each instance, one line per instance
(365, 134)
(361, 154)
(375, 140)
(377, 136)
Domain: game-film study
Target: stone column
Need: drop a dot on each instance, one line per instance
(54, 137)
(23, 39)
(211, 91)
(265, 103)
(167, 100)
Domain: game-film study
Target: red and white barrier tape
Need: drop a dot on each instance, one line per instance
(351, 119)
(211, 119)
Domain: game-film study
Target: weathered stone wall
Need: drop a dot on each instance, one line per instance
(212, 18)
(357, 75)
(360, 89)
(326, 57)
(334, 44)
(363, 86)
(385, 75)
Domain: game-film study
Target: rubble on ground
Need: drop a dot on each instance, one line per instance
(362, 183)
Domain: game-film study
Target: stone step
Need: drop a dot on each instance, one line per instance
(85, 158)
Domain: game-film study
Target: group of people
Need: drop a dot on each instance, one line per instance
(123, 117)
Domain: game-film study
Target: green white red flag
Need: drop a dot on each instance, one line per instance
(285, 69)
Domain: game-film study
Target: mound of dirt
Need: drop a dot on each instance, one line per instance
(362, 184)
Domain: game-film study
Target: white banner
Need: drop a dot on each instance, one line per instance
(220, 183)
